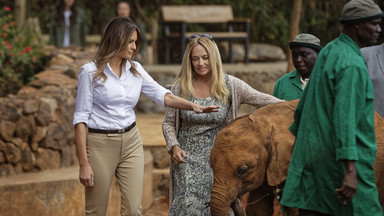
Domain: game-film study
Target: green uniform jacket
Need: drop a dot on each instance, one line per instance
(77, 31)
(334, 121)
(288, 87)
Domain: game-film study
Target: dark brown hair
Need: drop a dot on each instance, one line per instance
(59, 16)
(115, 39)
(132, 10)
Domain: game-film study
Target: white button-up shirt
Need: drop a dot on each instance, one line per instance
(109, 105)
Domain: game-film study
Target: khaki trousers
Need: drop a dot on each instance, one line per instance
(120, 155)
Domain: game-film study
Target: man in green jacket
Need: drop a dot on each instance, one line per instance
(304, 48)
(335, 148)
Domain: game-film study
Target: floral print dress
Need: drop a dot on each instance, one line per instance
(193, 180)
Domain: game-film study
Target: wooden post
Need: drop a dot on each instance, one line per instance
(20, 11)
(154, 29)
(33, 26)
(154, 39)
(294, 29)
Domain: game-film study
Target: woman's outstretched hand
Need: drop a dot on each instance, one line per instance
(205, 109)
(173, 101)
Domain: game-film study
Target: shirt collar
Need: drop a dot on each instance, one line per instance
(296, 78)
(293, 74)
(128, 65)
(348, 40)
(109, 71)
(304, 81)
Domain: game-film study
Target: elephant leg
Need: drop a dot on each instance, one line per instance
(291, 211)
(260, 202)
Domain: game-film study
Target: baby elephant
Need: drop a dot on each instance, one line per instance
(252, 154)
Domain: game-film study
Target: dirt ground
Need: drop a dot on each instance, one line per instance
(160, 207)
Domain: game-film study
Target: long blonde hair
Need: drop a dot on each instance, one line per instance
(115, 39)
(217, 78)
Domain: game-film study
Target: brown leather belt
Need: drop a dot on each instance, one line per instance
(119, 131)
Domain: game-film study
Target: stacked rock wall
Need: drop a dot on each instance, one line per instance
(36, 131)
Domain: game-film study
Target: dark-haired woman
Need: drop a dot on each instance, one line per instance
(67, 25)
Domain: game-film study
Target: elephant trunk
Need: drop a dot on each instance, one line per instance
(219, 204)
(223, 196)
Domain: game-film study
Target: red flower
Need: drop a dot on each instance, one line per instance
(7, 8)
(4, 26)
(6, 43)
(4, 35)
(34, 58)
(12, 24)
(12, 55)
(27, 49)
(20, 53)
(19, 40)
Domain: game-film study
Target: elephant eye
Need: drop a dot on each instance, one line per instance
(242, 169)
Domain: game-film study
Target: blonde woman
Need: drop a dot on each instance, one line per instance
(190, 137)
(108, 90)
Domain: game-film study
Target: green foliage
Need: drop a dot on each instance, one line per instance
(269, 24)
(321, 19)
(269, 19)
(18, 60)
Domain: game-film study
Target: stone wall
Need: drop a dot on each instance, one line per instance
(36, 131)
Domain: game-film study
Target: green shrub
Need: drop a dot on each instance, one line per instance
(269, 19)
(18, 59)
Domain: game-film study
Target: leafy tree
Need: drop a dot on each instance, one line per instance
(269, 19)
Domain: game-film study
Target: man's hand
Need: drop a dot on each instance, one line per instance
(349, 186)
(178, 155)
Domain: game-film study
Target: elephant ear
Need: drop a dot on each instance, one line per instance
(280, 140)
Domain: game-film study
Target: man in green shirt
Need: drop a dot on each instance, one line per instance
(335, 148)
(304, 48)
